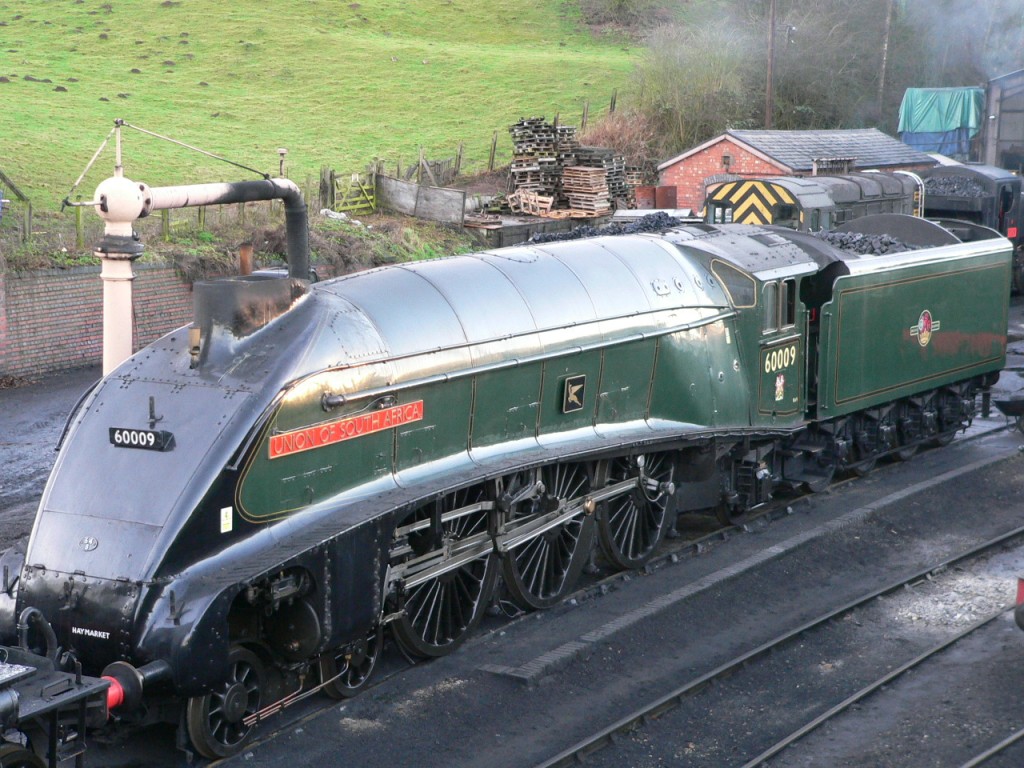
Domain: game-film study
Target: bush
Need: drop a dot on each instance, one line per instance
(626, 13)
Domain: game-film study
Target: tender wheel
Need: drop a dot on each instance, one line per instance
(216, 721)
(441, 611)
(541, 571)
(906, 453)
(822, 482)
(632, 525)
(15, 756)
(348, 672)
(864, 467)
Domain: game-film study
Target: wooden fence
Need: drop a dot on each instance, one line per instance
(26, 206)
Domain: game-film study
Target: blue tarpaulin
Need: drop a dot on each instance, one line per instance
(941, 119)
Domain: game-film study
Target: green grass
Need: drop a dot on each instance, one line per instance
(336, 83)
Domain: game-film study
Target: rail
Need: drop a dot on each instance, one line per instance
(574, 754)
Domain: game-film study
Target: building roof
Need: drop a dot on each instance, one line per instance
(796, 151)
(1015, 75)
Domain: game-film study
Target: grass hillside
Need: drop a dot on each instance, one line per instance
(336, 83)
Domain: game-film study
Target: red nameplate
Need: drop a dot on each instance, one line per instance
(308, 438)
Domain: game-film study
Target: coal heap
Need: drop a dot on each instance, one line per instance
(865, 245)
(654, 223)
(953, 186)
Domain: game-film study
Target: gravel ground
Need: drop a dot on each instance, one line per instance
(32, 417)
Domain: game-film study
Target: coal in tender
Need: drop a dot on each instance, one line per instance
(654, 223)
(865, 245)
(953, 186)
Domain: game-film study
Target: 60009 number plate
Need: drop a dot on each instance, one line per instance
(146, 439)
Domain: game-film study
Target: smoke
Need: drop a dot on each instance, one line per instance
(968, 41)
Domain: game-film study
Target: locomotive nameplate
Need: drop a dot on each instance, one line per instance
(328, 433)
(146, 439)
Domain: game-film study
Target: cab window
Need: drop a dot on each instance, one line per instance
(739, 285)
(720, 214)
(769, 307)
(788, 303)
(787, 216)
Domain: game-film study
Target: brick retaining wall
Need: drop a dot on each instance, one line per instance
(53, 319)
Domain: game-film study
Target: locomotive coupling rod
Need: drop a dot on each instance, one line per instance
(452, 555)
(531, 529)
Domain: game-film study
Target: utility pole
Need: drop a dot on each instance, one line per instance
(769, 94)
(885, 59)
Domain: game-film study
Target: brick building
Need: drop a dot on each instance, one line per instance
(754, 154)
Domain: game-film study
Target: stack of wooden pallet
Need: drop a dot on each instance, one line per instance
(538, 149)
(620, 192)
(634, 176)
(586, 190)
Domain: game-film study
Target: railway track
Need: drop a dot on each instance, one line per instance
(875, 686)
(653, 709)
(995, 750)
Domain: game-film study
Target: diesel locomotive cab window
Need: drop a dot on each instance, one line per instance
(721, 214)
(787, 216)
(739, 285)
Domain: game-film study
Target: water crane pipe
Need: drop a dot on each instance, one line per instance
(120, 201)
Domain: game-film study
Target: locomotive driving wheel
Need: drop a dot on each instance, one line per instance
(348, 672)
(441, 610)
(216, 721)
(543, 569)
(16, 756)
(631, 525)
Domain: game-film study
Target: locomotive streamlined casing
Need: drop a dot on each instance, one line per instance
(146, 563)
(499, 384)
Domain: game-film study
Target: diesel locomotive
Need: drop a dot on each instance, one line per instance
(240, 510)
(813, 203)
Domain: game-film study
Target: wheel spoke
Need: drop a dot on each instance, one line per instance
(216, 721)
(346, 674)
(541, 571)
(442, 610)
(632, 525)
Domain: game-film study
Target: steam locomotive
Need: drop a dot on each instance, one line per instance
(242, 508)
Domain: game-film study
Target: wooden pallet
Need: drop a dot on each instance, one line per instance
(530, 203)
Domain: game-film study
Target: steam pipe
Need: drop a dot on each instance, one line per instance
(28, 615)
(296, 228)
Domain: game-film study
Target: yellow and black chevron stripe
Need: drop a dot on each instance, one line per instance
(751, 202)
